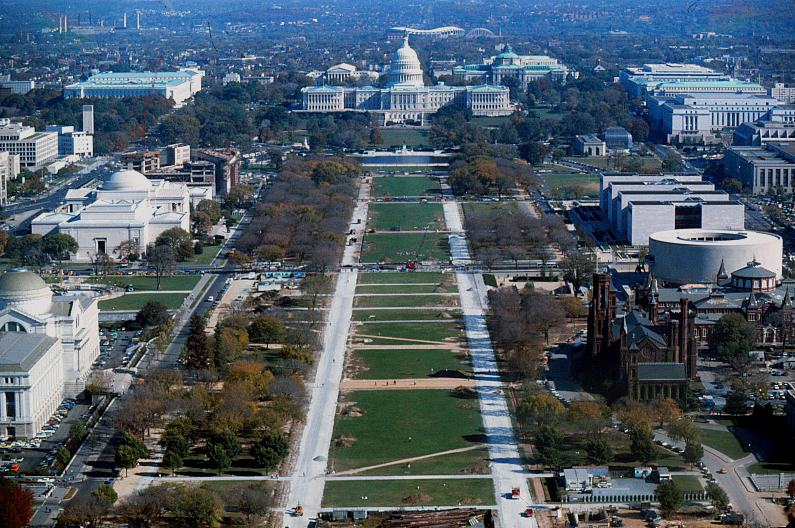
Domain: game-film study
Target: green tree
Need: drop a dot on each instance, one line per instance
(533, 152)
(732, 340)
(174, 442)
(211, 208)
(106, 493)
(126, 457)
(226, 439)
(163, 259)
(138, 445)
(196, 353)
(642, 445)
(599, 451)
(77, 432)
(670, 497)
(218, 457)
(197, 508)
(153, 313)
(548, 444)
(172, 460)
(266, 330)
(275, 159)
(693, 453)
(63, 456)
(172, 238)
(58, 246)
(735, 402)
(270, 450)
(717, 496)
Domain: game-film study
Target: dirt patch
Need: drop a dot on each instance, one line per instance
(344, 441)
(467, 406)
(464, 392)
(463, 502)
(417, 499)
(349, 409)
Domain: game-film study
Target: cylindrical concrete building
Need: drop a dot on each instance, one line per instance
(688, 256)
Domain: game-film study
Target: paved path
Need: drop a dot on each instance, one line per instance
(506, 464)
(419, 383)
(308, 478)
(408, 461)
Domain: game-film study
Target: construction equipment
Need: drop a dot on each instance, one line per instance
(515, 493)
(299, 510)
(528, 512)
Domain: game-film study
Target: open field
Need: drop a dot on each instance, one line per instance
(723, 441)
(406, 216)
(404, 277)
(688, 483)
(394, 425)
(404, 301)
(574, 453)
(561, 184)
(205, 258)
(135, 302)
(488, 207)
(406, 315)
(404, 364)
(604, 162)
(475, 462)
(442, 492)
(400, 247)
(149, 283)
(411, 137)
(443, 287)
(404, 186)
(546, 113)
(432, 331)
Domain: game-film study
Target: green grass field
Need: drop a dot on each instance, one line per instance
(768, 467)
(404, 186)
(402, 424)
(398, 492)
(489, 207)
(400, 364)
(400, 247)
(547, 113)
(406, 315)
(134, 303)
(561, 184)
(205, 258)
(443, 287)
(411, 137)
(149, 283)
(688, 483)
(723, 441)
(405, 301)
(475, 461)
(405, 277)
(431, 331)
(407, 216)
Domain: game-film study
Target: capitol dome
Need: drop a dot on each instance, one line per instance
(26, 290)
(127, 180)
(405, 68)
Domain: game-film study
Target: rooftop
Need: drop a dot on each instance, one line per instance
(19, 351)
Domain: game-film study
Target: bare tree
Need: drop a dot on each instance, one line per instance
(163, 260)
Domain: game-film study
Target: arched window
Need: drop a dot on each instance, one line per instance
(13, 326)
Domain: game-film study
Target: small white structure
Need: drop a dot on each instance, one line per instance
(126, 207)
(72, 142)
(590, 145)
(642, 472)
(662, 474)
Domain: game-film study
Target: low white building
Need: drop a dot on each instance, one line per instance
(589, 145)
(637, 80)
(126, 207)
(35, 149)
(763, 169)
(73, 142)
(179, 85)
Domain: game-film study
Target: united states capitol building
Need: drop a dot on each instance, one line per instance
(406, 100)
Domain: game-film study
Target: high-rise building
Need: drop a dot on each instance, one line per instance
(34, 149)
(88, 119)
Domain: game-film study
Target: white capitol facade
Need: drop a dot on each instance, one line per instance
(406, 100)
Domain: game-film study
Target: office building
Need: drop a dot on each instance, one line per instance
(639, 81)
(9, 170)
(88, 119)
(768, 168)
(784, 93)
(71, 142)
(35, 149)
(17, 87)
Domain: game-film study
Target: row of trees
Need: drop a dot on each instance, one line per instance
(181, 505)
(37, 251)
(305, 214)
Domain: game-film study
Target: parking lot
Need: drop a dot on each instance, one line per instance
(114, 348)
